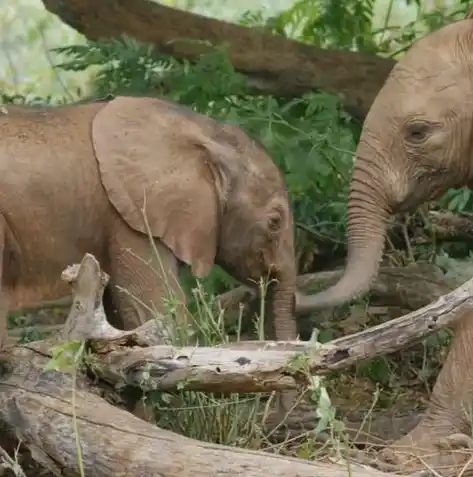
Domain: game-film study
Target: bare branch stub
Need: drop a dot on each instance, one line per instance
(87, 319)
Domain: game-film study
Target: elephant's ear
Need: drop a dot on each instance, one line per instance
(152, 155)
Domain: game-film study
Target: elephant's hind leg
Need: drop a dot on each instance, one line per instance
(140, 282)
(442, 440)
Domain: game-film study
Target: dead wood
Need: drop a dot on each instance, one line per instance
(444, 226)
(272, 63)
(64, 423)
(38, 408)
(139, 359)
(406, 288)
(267, 366)
(410, 287)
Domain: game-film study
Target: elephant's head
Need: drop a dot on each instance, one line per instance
(257, 233)
(416, 143)
(213, 195)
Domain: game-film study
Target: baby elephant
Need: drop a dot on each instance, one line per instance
(83, 178)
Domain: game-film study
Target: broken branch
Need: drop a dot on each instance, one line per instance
(253, 366)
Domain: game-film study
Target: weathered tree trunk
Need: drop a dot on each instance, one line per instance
(38, 409)
(273, 64)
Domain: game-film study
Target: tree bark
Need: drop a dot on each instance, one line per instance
(141, 359)
(272, 64)
(47, 412)
(258, 366)
(38, 408)
(444, 225)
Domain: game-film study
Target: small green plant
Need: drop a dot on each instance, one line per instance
(69, 357)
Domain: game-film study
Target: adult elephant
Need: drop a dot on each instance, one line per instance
(81, 178)
(416, 142)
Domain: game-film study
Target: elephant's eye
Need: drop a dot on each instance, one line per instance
(417, 132)
(274, 223)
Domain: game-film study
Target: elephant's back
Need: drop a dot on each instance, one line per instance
(50, 191)
(33, 141)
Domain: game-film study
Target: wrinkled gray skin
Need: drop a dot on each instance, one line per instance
(416, 143)
(73, 178)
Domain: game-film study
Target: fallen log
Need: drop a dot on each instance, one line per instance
(272, 63)
(255, 366)
(67, 426)
(410, 287)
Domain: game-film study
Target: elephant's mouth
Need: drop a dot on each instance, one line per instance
(429, 186)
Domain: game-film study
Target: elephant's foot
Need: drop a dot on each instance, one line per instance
(286, 402)
(434, 447)
(289, 412)
(442, 439)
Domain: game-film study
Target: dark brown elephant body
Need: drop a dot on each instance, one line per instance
(417, 142)
(80, 178)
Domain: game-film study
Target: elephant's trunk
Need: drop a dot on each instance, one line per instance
(280, 303)
(367, 216)
(281, 294)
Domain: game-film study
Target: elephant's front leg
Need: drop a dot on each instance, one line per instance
(143, 279)
(442, 439)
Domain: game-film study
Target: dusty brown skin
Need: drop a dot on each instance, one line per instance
(416, 143)
(72, 180)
